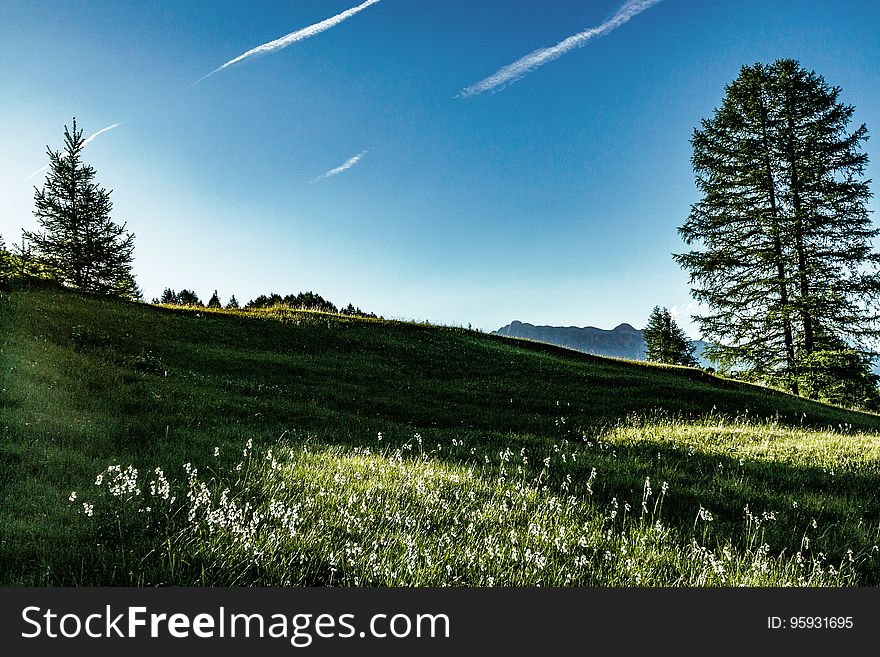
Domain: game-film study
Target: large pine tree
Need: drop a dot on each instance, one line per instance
(786, 269)
(80, 245)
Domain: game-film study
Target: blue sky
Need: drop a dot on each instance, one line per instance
(553, 201)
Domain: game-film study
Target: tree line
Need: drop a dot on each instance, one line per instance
(300, 301)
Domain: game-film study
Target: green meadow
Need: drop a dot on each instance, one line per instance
(144, 445)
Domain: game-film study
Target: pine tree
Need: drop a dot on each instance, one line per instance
(233, 303)
(665, 341)
(5, 262)
(786, 268)
(214, 301)
(168, 297)
(80, 245)
(264, 301)
(188, 298)
(25, 265)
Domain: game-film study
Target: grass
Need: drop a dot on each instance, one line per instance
(404, 454)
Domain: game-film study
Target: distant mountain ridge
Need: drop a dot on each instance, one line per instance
(623, 341)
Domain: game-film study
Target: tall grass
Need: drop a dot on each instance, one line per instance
(303, 514)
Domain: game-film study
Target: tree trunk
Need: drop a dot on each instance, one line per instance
(797, 205)
(791, 363)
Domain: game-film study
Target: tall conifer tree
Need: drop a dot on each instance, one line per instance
(786, 269)
(80, 245)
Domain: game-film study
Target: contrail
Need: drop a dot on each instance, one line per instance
(86, 142)
(293, 37)
(349, 163)
(91, 138)
(513, 72)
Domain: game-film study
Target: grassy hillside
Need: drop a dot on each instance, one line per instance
(306, 448)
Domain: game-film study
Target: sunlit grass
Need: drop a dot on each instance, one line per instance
(313, 515)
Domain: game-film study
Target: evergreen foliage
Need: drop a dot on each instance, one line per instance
(188, 298)
(301, 301)
(665, 341)
(79, 245)
(127, 288)
(265, 301)
(169, 296)
(840, 376)
(183, 298)
(25, 265)
(214, 301)
(310, 301)
(786, 270)
(5, 262)
(351, 310)
(233, 303)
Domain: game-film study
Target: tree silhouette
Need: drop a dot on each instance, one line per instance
(786, 266)
(665, 341)
(188, 298)
(168, 297)
(79, 244)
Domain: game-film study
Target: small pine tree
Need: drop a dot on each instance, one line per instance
(233, 303)
(26, 265)
(169, 297)
(188, 298)
(80, 245)
(264, 301)
(310, 301)
(214, 301)
(665, 341)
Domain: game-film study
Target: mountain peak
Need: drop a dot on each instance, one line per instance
(623, 341)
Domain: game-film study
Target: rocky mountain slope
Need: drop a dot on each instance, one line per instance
(623, 341)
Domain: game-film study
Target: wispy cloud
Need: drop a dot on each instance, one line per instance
(349, 163)
(293, 37)
(522, 67)
(684, 316)
(88, 140)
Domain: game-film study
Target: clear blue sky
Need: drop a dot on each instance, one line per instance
(553, 201)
